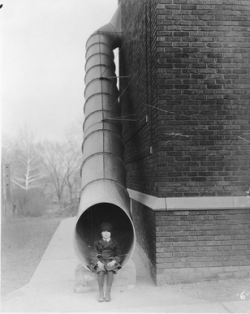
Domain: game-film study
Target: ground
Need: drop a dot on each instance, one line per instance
(24, 240)
(217, 290)
(23, 244)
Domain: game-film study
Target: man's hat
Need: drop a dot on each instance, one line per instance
(106, 226)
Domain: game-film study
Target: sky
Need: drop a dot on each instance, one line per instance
(43, 59)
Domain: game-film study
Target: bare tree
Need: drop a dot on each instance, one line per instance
(50, 168)
(27, 173)
(30, 169)
(52, 154)
(73, 157)
(72, 163)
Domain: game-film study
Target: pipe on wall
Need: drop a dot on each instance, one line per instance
(104, 196)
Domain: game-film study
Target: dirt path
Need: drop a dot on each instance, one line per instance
(23, 243)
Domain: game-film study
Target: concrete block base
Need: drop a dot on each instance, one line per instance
(125, 278)
(83, 277)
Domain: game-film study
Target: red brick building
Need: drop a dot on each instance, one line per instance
(187, 153)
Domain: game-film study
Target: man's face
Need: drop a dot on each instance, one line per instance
(106, 234)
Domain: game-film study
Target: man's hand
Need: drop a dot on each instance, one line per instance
(112, 263)
(100, 265)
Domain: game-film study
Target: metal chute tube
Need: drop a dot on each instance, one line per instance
(104, 196)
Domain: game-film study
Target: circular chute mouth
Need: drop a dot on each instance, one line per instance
(88, 231)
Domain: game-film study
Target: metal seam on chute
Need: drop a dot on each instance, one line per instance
(86, 100)
(96, 154)
(108, 180)
(104, 130)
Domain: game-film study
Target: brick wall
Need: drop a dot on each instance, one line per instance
(137, 56)
(190, 241)
(194, 245)
(189, 59)
(189, 86)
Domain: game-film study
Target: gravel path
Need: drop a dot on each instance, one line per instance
(24, 240)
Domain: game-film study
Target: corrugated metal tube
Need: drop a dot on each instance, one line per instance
(104, 196)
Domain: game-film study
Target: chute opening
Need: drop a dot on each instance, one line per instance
(88, 230)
